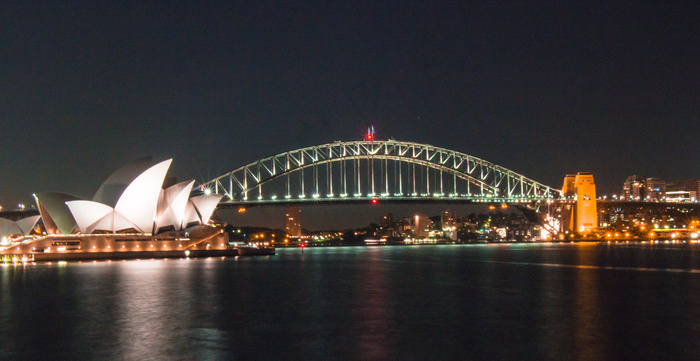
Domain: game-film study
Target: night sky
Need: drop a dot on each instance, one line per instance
(543, 88)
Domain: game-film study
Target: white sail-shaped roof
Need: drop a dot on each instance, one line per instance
(205, 205)
(92, 216)
(112, 222)
(87, 213)
(172, 205)
(27, 224)
(111, 190)
(191, 214)
(54, 212)
(8, 227)
(139, 201)
(142, 205)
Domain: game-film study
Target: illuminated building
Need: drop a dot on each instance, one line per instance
(293, 221)
(131, 200)
(655, 189)
(637, 188)
(129, 212)
(448, 220)
(685, 190)
(633, 188)
(387, 227)
(421, 226)
(582, 216)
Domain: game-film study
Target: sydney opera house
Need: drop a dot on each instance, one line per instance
(136, 212)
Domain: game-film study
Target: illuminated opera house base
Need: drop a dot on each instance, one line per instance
(198, 241)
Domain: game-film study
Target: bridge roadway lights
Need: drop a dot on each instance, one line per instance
(492, 203)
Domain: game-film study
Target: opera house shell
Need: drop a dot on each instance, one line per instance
(131, 211)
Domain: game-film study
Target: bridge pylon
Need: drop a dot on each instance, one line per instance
(579, 211)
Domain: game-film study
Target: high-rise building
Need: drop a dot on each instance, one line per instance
(633, 189)
(293, 221)
(655, 189)
(448, 219)
(387, 221)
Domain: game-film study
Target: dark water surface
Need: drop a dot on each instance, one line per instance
(447, 302)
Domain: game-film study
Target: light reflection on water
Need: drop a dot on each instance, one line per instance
(581, 301)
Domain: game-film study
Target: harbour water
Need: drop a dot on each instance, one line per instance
(592, 301)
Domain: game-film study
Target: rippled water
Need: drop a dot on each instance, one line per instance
(537, 302)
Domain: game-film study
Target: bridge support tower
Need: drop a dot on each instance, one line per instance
(579, 212)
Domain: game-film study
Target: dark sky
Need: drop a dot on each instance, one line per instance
(544, 88)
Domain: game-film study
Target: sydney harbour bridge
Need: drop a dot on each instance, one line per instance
(375, 171)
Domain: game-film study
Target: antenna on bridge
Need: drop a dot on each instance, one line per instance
(370, 133)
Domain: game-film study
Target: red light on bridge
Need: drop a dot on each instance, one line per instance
(370, 134)
(374, 201)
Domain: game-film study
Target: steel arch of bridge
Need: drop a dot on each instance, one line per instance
(362, 171)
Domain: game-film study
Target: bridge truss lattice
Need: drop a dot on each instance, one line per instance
(361, 170)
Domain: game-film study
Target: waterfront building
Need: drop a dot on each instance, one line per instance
(131, 200)
(389, 228)
(449, 222)
(421, 226)
(448, 219)
(131, 211)
(405, 225)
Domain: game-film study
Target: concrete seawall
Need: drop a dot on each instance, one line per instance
(89, 256)
(251, 251)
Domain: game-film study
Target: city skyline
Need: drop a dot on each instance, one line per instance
(541, 88)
